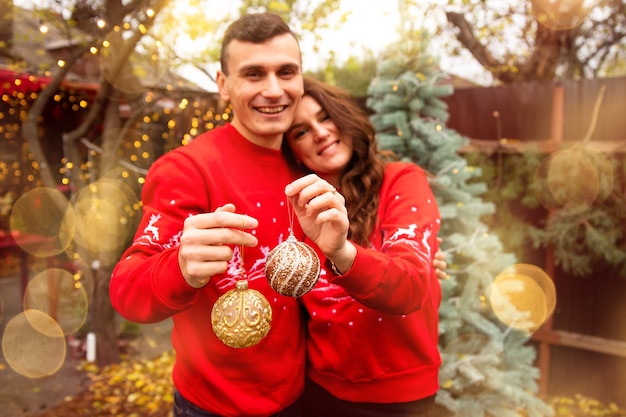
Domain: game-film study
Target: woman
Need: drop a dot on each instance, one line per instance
(373, 317)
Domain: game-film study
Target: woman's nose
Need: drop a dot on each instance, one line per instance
(320, 133)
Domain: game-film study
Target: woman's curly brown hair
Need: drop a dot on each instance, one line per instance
(363, 176)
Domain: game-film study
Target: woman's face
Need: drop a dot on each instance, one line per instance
(317, 142)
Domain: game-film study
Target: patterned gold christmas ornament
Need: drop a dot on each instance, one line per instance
(292, 268)
(241, 317)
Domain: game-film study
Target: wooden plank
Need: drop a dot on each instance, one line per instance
(506, 145)
(581, 341)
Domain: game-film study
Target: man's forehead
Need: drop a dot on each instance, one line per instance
(275, 53)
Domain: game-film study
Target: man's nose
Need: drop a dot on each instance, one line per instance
(273, 87)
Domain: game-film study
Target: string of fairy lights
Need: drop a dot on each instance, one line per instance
(171, 123)
(170, 116)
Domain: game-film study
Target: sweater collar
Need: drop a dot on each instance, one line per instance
(252, 150)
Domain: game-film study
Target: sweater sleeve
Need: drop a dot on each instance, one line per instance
(397, 275)
(147, 284)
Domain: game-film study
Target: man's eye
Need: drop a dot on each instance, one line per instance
(288, 72)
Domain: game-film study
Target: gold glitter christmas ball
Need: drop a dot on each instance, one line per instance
(292, 268)
(241, 317)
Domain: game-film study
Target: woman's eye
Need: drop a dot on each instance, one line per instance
(297, 134)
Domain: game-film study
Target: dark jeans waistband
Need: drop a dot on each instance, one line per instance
(184, 408)
(317, 402)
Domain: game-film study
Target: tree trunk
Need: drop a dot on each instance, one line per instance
(103, 319)
(550, 46)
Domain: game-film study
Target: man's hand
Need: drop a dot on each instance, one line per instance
(207, 240)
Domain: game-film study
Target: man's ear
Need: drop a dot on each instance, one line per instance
(220, 79)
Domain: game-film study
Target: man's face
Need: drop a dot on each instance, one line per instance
(264, 86)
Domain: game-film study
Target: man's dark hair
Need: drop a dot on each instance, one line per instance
(255, 28)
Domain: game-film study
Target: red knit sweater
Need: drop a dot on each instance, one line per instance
(147, 285)
(373, 332)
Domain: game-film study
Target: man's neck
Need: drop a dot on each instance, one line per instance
(268, 141)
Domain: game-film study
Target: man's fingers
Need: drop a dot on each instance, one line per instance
(222, 217)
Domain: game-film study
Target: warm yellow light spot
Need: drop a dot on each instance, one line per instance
(93, 50)
(61, 63)
(523, 296)
(101, 23)
(171, 124)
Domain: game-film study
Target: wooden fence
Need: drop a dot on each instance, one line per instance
(582, 348)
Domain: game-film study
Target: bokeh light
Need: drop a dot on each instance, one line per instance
(33, 344)
(522, 296)
(56, 292)
(561, 15)
(573, 178)
(141, 70)
(42, 222)
(104, 213)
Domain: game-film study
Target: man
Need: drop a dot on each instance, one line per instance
(205, 202)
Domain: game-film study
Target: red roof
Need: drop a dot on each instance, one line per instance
(11, 81)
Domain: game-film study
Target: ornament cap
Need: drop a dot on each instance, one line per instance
(242, 285)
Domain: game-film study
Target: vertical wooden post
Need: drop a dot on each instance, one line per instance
(556, 125)
(544, 345)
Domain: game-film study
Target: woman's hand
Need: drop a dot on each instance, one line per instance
(322, 213)
(440, 263)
